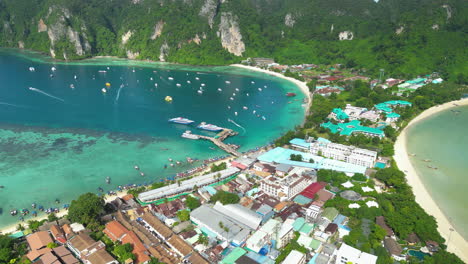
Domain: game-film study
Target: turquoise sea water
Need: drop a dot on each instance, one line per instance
(443, 139)
(64, 137)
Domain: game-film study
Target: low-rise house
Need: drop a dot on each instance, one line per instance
(266, 212)
(90, 251)
(413, 239)
(38, 244)
(313, 211)
(58, 234)
(331, 229)
(393, 248)
(432, 246)
(380, 220)
(330, 213)
(348, 254)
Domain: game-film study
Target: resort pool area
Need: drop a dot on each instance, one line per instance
(420, 255)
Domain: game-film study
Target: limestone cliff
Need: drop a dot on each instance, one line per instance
(229, 32)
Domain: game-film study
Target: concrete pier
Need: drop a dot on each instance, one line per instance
(218, 140)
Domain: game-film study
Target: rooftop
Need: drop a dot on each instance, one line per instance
(346, 129)
(282, 155)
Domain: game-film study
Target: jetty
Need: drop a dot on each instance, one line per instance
(217, 140)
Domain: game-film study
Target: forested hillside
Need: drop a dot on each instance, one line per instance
(405, 37)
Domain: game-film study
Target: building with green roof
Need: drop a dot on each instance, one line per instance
(235, 254)
(315, 244)
(339, 114)
(347, 129)
(306, 229)
(383, 107)
(330, 213)
(297, 225)
(398, 103)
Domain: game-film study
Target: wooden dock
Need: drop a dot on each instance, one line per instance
(219, 138)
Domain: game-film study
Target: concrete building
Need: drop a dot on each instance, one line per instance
(187, 185)
(223, 226)
(349, 154)
(295, 257)
(348, 254)
(313, 211)
(285, 188)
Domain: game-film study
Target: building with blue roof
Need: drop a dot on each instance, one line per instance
(299, 143)
(339, 219)
(282, 155)
(347, 129)
(383, 108)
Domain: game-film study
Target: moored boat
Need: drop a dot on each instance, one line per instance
(181, 120)
(209, 127)
(290, 94)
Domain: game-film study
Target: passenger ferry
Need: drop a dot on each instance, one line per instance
(209, 127)
(181, 120)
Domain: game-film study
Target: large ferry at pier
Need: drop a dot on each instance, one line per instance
(210, 127)
(181, 120)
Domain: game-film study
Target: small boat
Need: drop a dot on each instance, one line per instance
(200, 91)
(142, 174)
(220, 90)
(53, 69)
(170, 78)
(232, 99)
(32, 69)
(235, 113)
(100, 189)
(254, 111)
(165, 166)
(13, 212)
(57, 201)
(229, 107)
(290, 94)
(203, 85)
(170, 159)
(168, 99)
(178, 162)
(248, 94)
(151, 78)
(426, 160)
(136, 167)
(233, 94)
(75, 77)
(189, 82)
(237, 89)
(34, 213)
(102, 71)
(172, 165)
(228, 82)
(72, 86)
(252, 82)
(33, 205)
(245, 108)
(178, 84)
(196, 78)
(260, 89)
(104, 90)
(108, 85)
(108, 180)
(263, 117)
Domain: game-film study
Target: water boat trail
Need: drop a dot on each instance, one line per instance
(13, 105)
(46, 94)
(118, 93)
(237, 125)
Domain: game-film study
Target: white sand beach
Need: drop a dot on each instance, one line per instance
(301, 85)
(456, 244)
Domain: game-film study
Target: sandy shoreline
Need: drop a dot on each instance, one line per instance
(457, 243)
(302, 85)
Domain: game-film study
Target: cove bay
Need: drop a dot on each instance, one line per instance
(61, 135)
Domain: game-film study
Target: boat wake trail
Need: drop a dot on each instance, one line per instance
(118, 93)
(237, 125)
(13, 105)
(46, 94)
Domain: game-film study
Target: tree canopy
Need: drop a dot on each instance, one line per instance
(86, 208)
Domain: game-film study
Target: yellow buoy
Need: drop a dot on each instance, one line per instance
(108, 84)
(168, 99)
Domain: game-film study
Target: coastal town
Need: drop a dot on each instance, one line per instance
(309, 200)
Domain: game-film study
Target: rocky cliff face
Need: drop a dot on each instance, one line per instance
(209, 10)
(157, 30)
(229, 32)
(62, 30)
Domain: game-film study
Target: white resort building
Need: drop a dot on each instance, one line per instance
(287, 187)
(328, 149)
